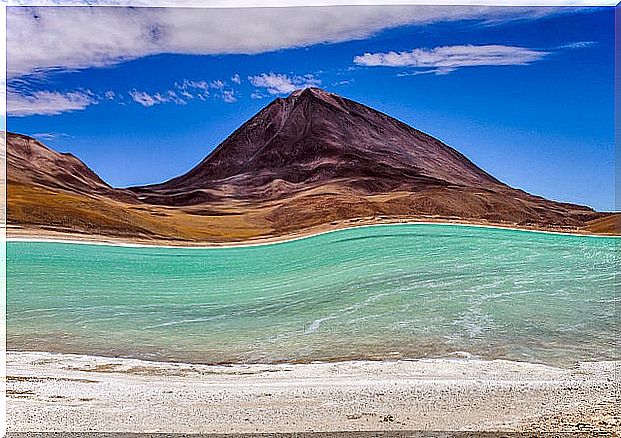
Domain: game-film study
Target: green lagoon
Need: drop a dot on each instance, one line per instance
(383, 292)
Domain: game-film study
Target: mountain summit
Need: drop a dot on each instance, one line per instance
(312, 160)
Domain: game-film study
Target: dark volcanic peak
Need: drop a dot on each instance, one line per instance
(314, 137)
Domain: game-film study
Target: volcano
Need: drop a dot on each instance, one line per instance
(313, 138)
(313, 159)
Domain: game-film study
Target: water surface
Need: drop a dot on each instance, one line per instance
(394, 291)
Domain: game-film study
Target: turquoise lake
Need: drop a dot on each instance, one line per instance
(383, 292)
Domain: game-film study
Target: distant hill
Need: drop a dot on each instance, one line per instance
(31, 162)
(313, 159)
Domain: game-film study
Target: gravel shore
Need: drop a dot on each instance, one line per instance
(74, 393)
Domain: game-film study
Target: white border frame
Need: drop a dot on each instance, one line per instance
(238, 4)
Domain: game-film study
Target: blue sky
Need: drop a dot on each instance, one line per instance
(142, 96)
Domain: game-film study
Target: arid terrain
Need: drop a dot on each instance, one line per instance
(307, 163)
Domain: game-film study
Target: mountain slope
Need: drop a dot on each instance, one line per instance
(31, 162)
(314, 137)
(309, 162)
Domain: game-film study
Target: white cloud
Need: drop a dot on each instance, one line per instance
(229, 96)
(191, 89)
(217, 84)
(343, 82)
(49, 136)
(578, 45)
(186, 84)
(146, 99)
(61, 38)
(438, 72)
(256, 95)
(186, 94)
(184, 91)
(443, 60)
(44, 136)
(281, 83)
(236, 79)
(275, 83)
(171, 96)
(47, 102)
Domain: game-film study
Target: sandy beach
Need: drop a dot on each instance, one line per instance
(60, 392)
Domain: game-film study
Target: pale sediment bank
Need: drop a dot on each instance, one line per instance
(62, 392)
(36, 235)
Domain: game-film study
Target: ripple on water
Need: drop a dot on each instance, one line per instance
(377, 292)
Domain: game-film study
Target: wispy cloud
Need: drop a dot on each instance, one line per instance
(185, 91)
(236, 79)
(443, 60)
(343, 82)
(578, 45)
(217, 84)
(438, 72)
(49, 136)
(229, 96)
(76, 38)
(44, 136)
(23, 101)
(281, 83)
(47, 103)
(190, 89)
(146, 99)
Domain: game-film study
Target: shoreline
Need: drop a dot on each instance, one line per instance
(37, 235)
(77, 393)
(454, 356)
